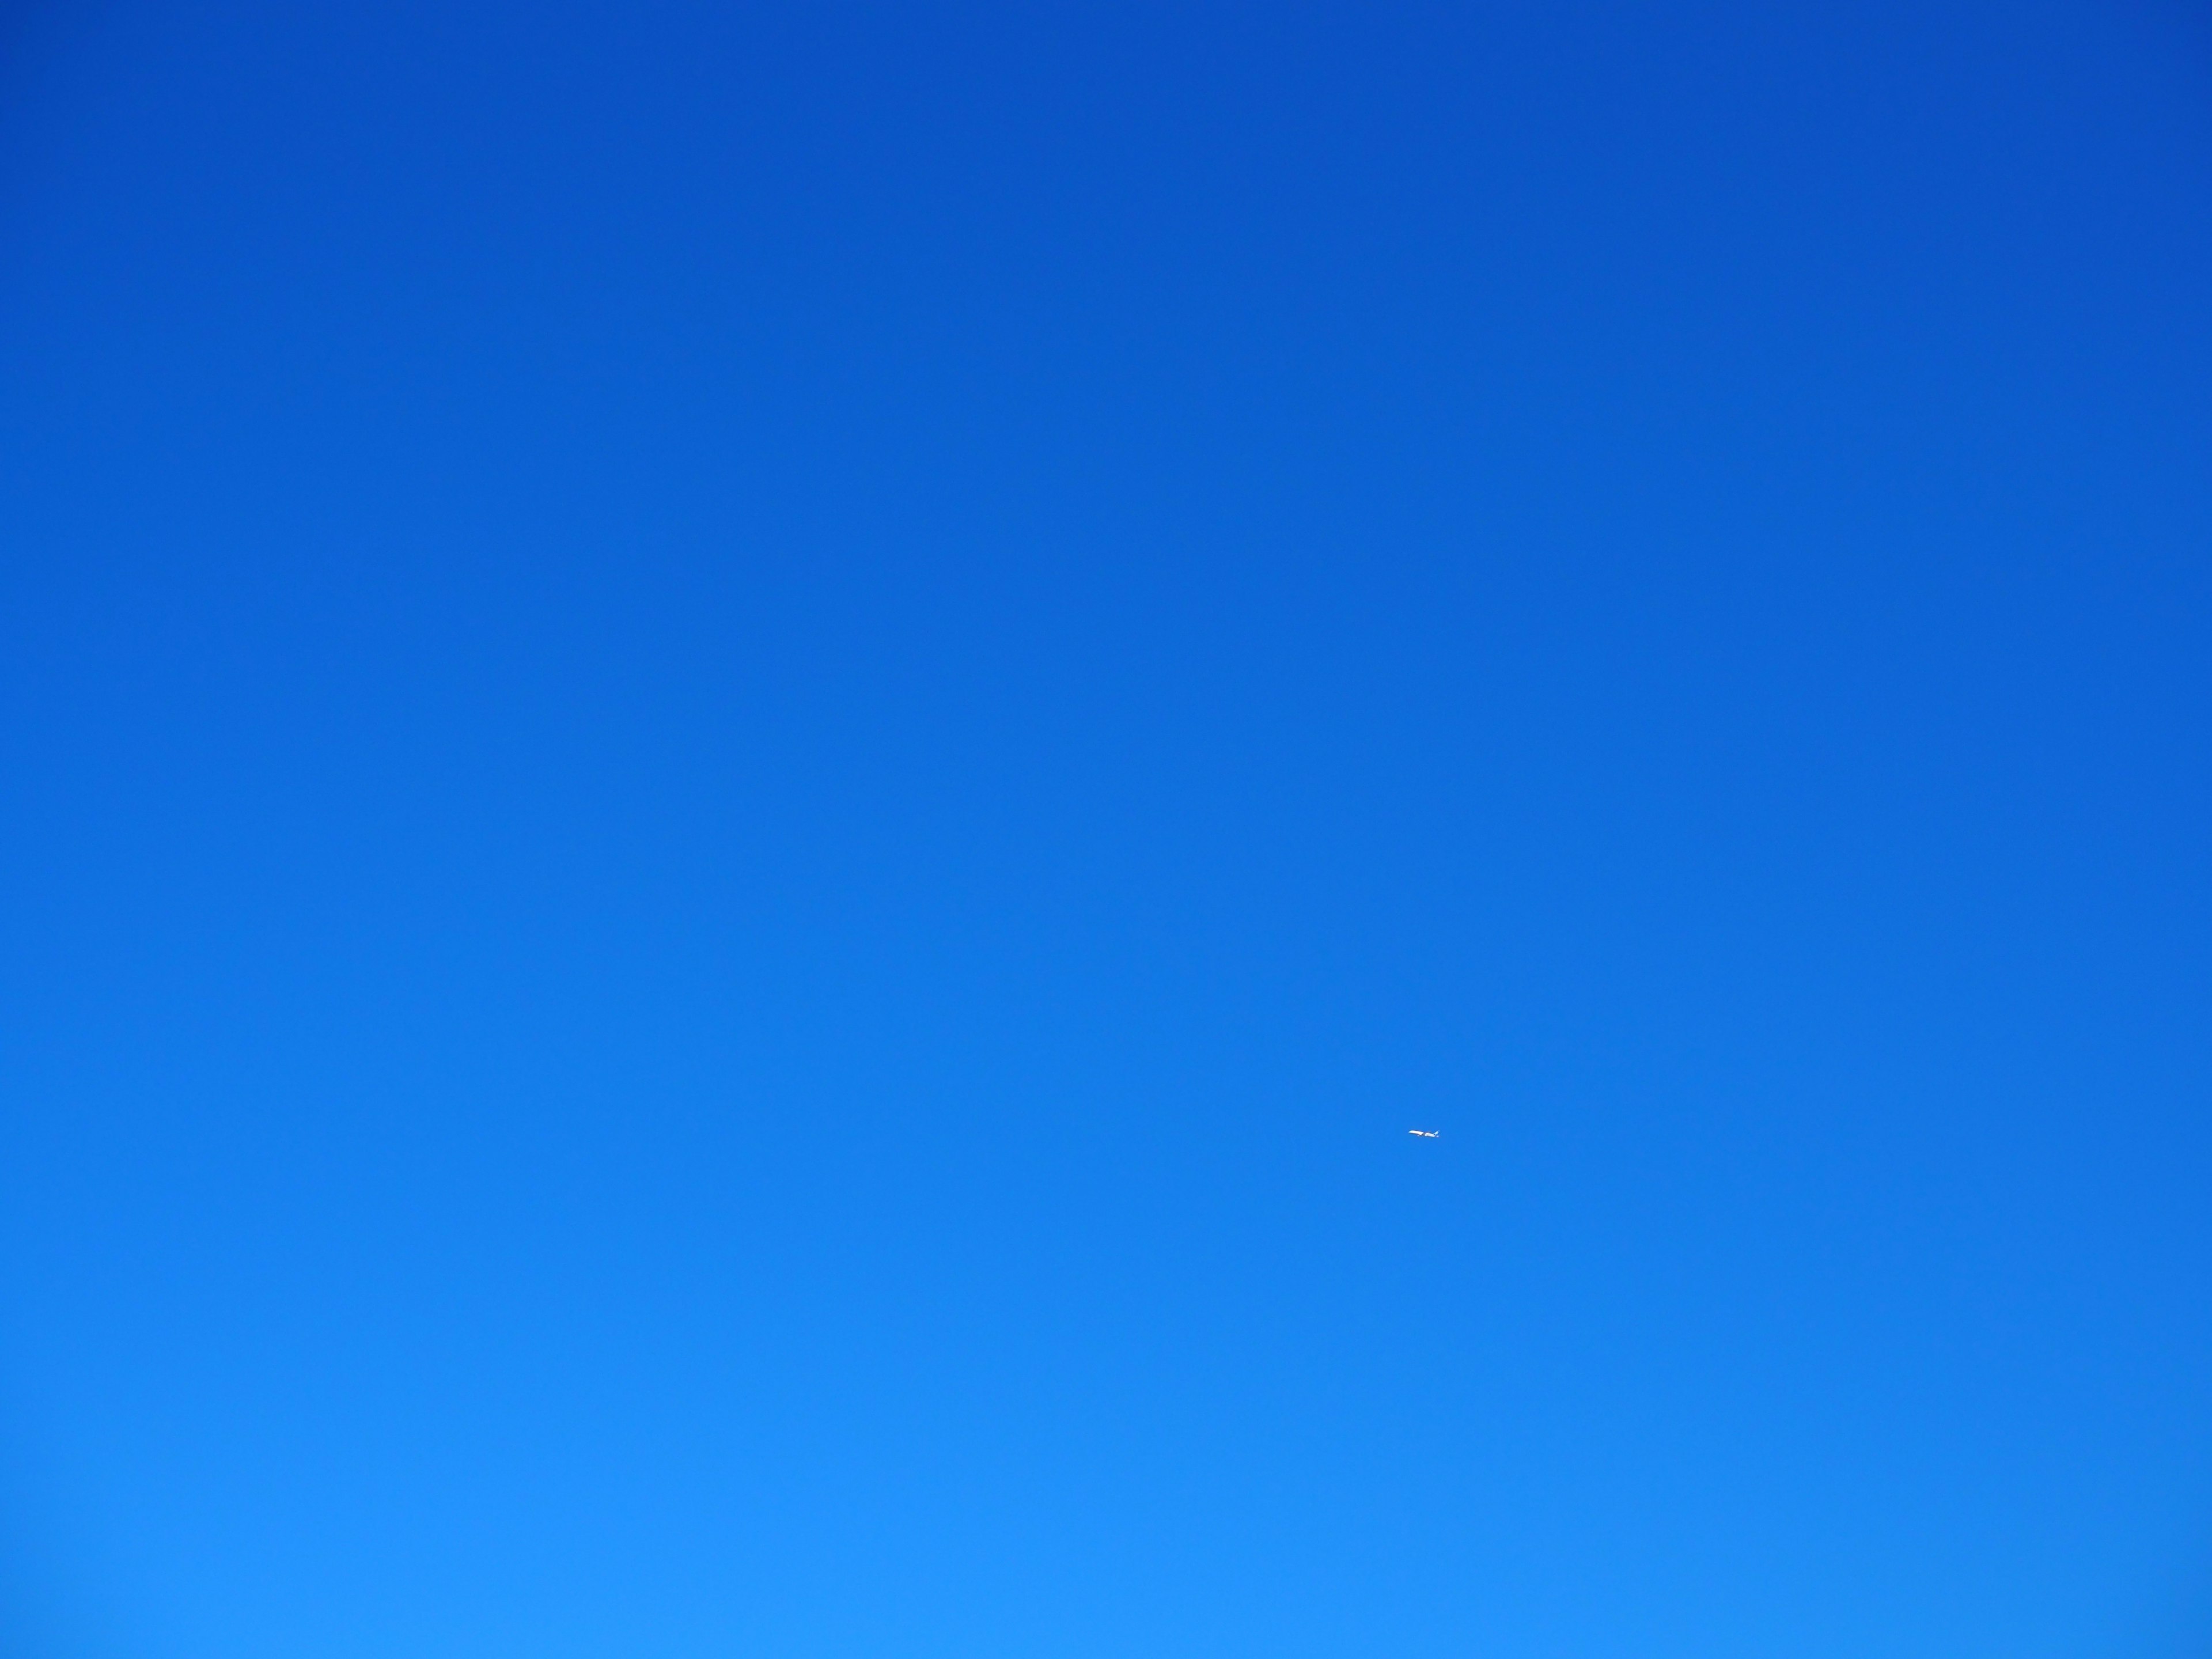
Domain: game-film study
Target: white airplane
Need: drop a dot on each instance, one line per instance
(1425, 1134)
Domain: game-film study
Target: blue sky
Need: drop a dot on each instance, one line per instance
(756, 757)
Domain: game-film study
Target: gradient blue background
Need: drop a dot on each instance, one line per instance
(756, 756)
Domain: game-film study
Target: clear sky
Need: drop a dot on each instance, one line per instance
(755, 757)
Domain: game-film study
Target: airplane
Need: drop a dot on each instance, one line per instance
(1425, 1134)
